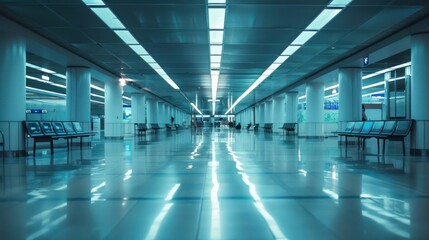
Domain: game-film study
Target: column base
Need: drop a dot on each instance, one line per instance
(114, 138)
(419, 152)
(17, 153)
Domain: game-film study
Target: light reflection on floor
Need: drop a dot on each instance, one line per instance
(215, 184)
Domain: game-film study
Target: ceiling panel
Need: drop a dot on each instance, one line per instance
(176, 34)
(162, 16)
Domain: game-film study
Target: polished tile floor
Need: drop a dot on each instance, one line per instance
(215, 184)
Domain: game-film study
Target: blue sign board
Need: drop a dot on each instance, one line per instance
(365, 61)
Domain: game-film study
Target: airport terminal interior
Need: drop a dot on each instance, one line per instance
(214, 119)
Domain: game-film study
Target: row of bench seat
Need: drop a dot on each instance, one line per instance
(46, 131)
(289, 127)
(381, 130)
(268, 127)
(140, 128)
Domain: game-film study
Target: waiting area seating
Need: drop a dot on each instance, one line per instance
(392, 130)
(268, 127)
(45, 131)
(140, 128)
(254, 127)
(289, 127)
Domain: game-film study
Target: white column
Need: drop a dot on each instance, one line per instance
(79, 95)
(113, 127)
(291, 107)
(161, 113)
(261, 115)
(268, 107)
(12, 92)
(138, 108)
(419, 94)
(151, 111)
(315, 105)
(350, 94)
(278, 112)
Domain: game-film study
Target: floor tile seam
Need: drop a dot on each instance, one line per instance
(204, 198)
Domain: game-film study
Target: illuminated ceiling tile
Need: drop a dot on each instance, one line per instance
(290, 50)
(215, 59)
(216, 18)
(139, 49)
(281, 59)
(94, 2)
(155, 65)
(303, 37)
(323, 18)
(215, 49)
(126, 36)
(339, 3)
(216, 1)
(46, 70)
(108, 17)
(148, 59)
(216, 37)
(215, 65)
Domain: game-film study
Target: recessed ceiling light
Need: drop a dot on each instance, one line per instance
(303, 37)
(323, 18)
(108, 17)
(216, 18)
(215, 49)
(216, 37)
(126, 36)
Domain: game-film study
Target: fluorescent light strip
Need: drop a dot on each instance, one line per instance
(318, 23)
(46, 70)
(281, 59)
(290, 50)
(303, 37)
(97, 88)
(110, 19)
(373, 85)
(215, 49)
(323, 18)
(339, 3)
(126, 36)
(96, 95)
(60, 75)
(387, 70)
(126, 98)
(37, 90)
(331, 87)
(139, 49)
(216, 37)
(216, 16)
(94, 2)
(32, 66)
(396, 79)
(44, 81)
(216, 1)
(94, 101)
(329, 96)
(369, 94)
(196, 108)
